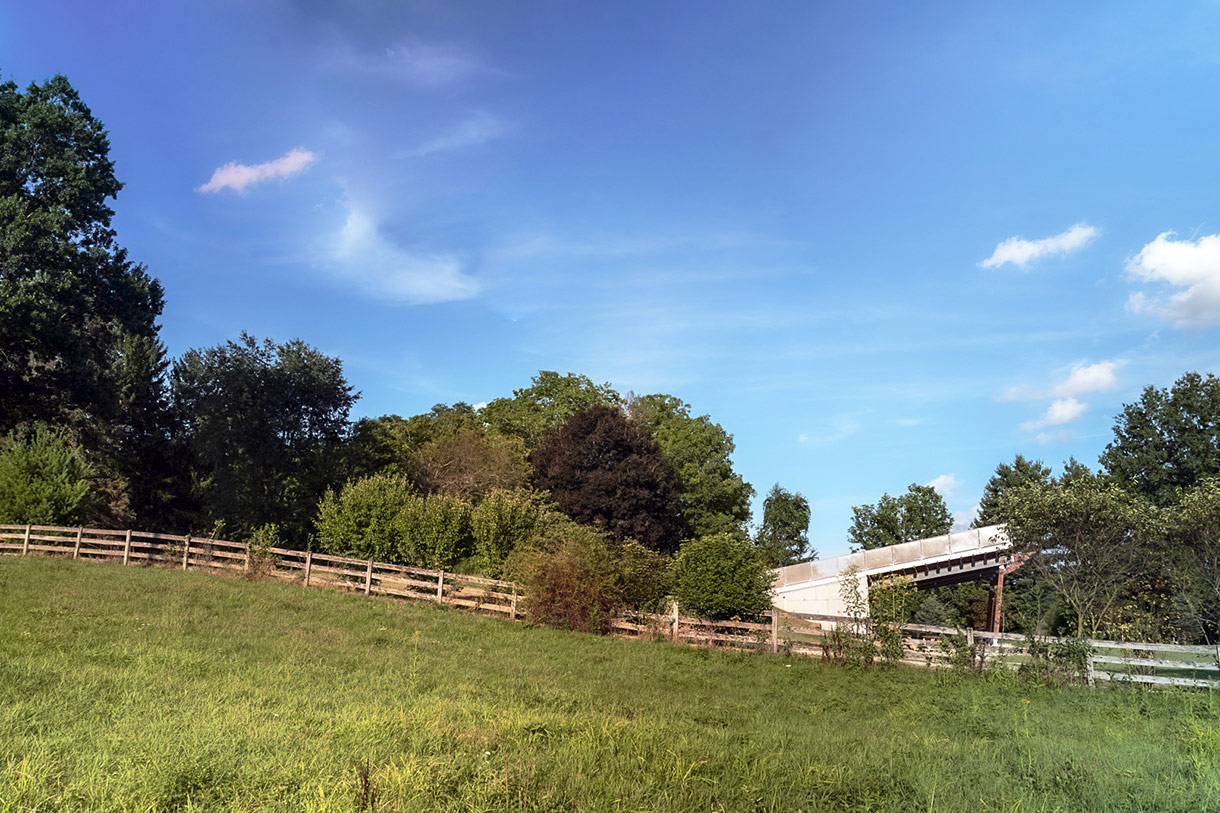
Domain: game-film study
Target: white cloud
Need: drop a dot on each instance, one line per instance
(1081, 379)
(1020, 252)
(1193, 265)
(1065, 410)
(841, 427)
(962, 520)
(1062, 435)
(425, 64)
(237, 176)
(946, 485)
(478, 129)
(367, 259)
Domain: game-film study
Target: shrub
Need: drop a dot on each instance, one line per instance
(262, 540)
(501, 522)
(891, 600)
(367, 519)
(578, 578)
(44, 479)
(721, 576)
(436, 532)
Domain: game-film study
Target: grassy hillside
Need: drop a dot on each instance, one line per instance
(149, 690)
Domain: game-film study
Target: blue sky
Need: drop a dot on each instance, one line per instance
(880, 243)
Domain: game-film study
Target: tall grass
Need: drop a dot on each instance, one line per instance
(151, 690)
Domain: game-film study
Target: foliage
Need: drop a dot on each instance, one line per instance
(389, 444)
(578, 578)
(503, 521)
(438, 534)
(918, 514)
(1193, 527)
(44, 479)
(711, 496)
(1056, 662)
(783, 536)
(931, 612)
(722, 576)
(469, 463)
(69, 297)
(553, 398)
(851, 642)
(367, 519)
(1167, 440)
(1085, 539)
(1022, 471)
(602, 470)
(962, 654)
(263, 423)
(892, 600)
(262, 539)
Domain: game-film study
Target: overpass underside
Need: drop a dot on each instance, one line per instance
(982, 554)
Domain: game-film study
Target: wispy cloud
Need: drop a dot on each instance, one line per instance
(362, 256)
(239, 177)
(946, 485)
(1065, 410)
(962, 520)
(1081, 379)
(1192, 265)
(841, 427)
(478, 129)
(1021, 252)
(424, 64)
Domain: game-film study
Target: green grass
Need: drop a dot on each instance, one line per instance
(153, 690)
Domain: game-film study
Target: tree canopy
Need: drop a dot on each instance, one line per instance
(917, 514)
(603, 470)
(712, 498)
(1168, 439)
(1022, 471)
(783, 536)
(551, 400)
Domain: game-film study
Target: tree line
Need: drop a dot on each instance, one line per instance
(565, 480)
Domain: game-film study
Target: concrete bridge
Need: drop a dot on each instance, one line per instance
(974, 555)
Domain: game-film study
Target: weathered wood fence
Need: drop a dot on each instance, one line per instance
(794, 633)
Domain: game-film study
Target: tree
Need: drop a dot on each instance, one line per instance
(918, 514)
(470, 463)
(603, 470)
(721, 576)
(711, 496)
(1021, 471)
(782, 537)
(552, 399)
(1085, 538)
(1168, 439)
(263, 424)
(390, 443)
(1193, 528)
(69, 296)
(44, 479)
(367, 519)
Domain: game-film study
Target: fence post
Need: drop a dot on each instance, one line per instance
(247, 557)
(368, 579)
(186, 552)
(127, 548)
(25, 546)
(1092, 679)
(775, 629)
(673, 631)
(512, 613)
(76, 550)
(440, 587)
(308, 565)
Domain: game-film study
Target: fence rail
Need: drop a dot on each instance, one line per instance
(802, 634)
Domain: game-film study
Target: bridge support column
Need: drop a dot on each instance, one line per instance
(997, 596)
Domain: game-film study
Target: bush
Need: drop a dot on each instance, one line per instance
(262, 540)
(578, 578)
(367, 519)
(44, 479)
(381, 518)
(500, 523)
(722, 576)
(891, 600)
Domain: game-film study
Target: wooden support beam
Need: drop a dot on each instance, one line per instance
(25, 546)
(186, 552)
(76, 549)
(368, 579)
(308, 566)
(127, 548)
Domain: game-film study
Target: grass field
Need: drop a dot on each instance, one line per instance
(134, 689)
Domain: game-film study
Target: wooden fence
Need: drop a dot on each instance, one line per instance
(308, 568)
(793, 633)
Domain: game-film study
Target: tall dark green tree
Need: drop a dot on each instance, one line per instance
(78, 319)
(712, 497)
(783, 536)
(263, 423)
(1021, 471)
(1168, 439)
(918, 514)
(69, 296)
